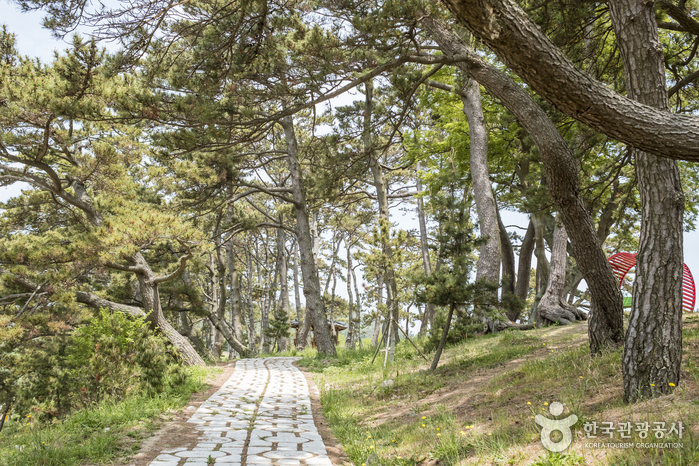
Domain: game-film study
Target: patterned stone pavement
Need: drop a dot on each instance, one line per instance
(260, 416)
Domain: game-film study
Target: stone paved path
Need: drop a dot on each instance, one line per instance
(260, 416)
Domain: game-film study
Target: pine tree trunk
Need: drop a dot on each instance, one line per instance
(653, 344)
(236, 308)
(156, 318)
(562, 171)
(266, 301)
(219, 297)
(377, 321)
(297, 295)
(357, 333)
(553, 308)
(542, 263)
(524, 267)
(315, 311)
(488, 266)
(252, 341)
(196, 341)
(508, 268)
(349, 342)
(283, 343)
(230, 338)
(443, 340)
(384, 218)
(429, 308)
(333, 329)
(272, 303)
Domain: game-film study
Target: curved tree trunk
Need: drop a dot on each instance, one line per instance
(653, 346)
(506, 29)
(562, 168)
(443, 339)
(196, 341)
(553, 308)
(155, 316)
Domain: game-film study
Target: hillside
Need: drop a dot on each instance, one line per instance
(478, 406)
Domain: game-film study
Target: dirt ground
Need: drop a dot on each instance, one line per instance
(176, 432)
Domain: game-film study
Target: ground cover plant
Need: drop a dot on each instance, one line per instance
(100, 434)
(479, 406)
(90, 395)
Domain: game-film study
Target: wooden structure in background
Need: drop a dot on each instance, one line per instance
(339, 326)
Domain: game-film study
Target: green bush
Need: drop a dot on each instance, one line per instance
(111, 357)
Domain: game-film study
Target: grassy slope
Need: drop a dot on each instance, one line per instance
(478, 406)
(101, 435)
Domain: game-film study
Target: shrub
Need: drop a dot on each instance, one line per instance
(111, 357)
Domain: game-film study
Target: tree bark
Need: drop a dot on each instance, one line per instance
(252, 341)
(553, 308)
(196, 341)
(384, 218)
(96, 302)
(377, 320)
(236, 308)
(357, 334)
(283, 342)
(443, 339)
(653, 345)
(542, 264)
(297, 295)
(220, 296)
(508, 267)
(508, 259)
(349, 342)
(151, 305)
(230, 338)
(315, 311)
(506, 29)
(266, 298)
(606, 324)
(488, 266)
(429, 308)
(333, 329)
(524, 268)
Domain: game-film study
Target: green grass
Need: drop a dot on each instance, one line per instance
(99, 435)
(483, 398)
(352, 390)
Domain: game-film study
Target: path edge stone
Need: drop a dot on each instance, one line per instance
(150, 448)
(336, 453)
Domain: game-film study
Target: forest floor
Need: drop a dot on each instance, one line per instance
(478, 407)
